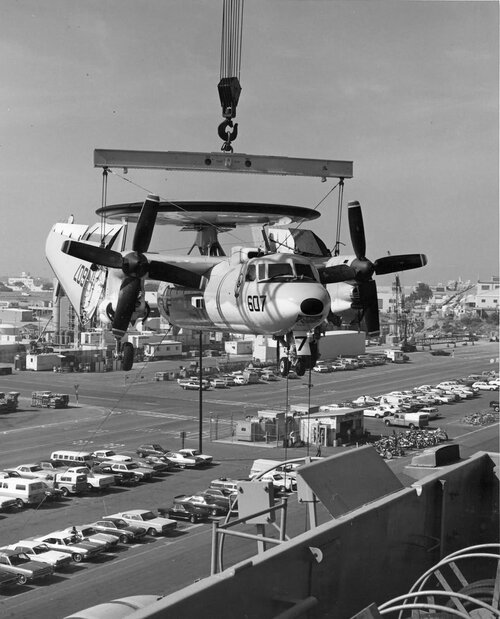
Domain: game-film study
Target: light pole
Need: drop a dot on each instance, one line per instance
(200, 395)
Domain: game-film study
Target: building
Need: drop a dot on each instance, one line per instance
(487, 293)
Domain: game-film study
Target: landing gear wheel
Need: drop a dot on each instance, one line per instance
(300, 367)
(127, 356)
(284, 366)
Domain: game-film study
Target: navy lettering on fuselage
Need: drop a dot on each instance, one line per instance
(81, 274)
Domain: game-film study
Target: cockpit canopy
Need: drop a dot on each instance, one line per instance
(267, 268)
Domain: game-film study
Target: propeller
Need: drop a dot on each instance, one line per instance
(135, 265)
(362, 269)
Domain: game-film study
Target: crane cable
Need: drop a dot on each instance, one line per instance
(230, 65)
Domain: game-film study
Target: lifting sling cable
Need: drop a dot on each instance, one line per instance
(104, 197)
(336, 249)
(230, 65)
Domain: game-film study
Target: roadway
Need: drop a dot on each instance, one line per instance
(121, 410)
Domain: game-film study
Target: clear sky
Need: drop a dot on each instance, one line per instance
(407, 90)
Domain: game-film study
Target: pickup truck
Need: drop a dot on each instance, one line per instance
(20, 564)
(95, 481)
(408, 420)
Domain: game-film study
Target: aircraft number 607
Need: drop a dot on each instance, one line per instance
(256, 303)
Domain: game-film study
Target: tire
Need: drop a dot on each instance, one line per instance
(213, 512)
(284, 366)
(124, 539)
(377, 416)
(20, 503)
(127, 356)
(192, 519)
(387, 422)
(412, 426)
(282, 489)
(300, 367)
(77, 557)
(65, 491)
(152, 532)
(22, 579)
(89, 486)
(141, 454)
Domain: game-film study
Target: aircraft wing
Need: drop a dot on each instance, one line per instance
(186, 271)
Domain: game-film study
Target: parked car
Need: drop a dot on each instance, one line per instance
(494, 405)
(220, 497)
(157, 465)
(322, 368)
(126, 533)
(182, 461)
(365, 400)
(95, 481)
(218, 383)
(150, 449)
(484, 386)
(184, 511)
(79, 549)
(155, 525)
(89, 534)
(269, 375)
(52, 494)
(194, 453)
(23, 566)
(140, 473)
(432, 411)
(30, 471)
(209, 509)
(108, 455)
(42, 553)
(123, 476)
(376, 411)
(7, 504)
(440, 352)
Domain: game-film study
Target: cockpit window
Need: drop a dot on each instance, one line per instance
(304, 270)
(250, 276)
(279, 269)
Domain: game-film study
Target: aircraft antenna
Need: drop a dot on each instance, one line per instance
(230, 64)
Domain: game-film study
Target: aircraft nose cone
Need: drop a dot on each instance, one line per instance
(311, 307)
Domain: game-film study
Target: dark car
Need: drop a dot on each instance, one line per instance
(150, 449)
(185, 511)
(211, 509)
(126, 533)
(219, 497)
(494, 405)
(440, 353)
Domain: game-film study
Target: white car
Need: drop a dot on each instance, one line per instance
(194, 453)
(78, 549)
(38, 551)
(154, 525)
(322, 368)
(432, 411)
(483, 386)
(181, 460)
(110, 456)
(218, 383)
(30, 471)
(376, 411)
(365, 400)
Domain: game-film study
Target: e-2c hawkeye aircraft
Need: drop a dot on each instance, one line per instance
(252, 291)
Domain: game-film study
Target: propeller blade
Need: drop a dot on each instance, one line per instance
(125, 306)
(393, 264)
(337, 273)
(369, 301)
(357, 229)
(92, 253)
(173, 274)
(145, 224)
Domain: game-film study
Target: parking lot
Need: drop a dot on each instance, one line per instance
(119, 411)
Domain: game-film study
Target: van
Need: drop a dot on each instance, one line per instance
(261, 465)
(408, 420)
(24, 491)
(73, 458)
